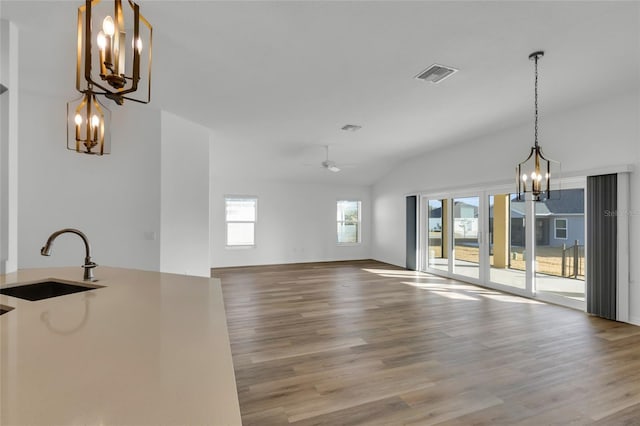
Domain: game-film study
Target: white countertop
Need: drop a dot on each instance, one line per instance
(147, 349)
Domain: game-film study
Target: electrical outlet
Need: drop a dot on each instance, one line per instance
(150, 235)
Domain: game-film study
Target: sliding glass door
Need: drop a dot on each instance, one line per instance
(507, 240)
(437, 235)
(560, 245)
(466, 246)
(451, 234)
(494, 239)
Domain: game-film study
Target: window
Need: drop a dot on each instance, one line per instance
(561, 229)
(240, 215)
(348, 222)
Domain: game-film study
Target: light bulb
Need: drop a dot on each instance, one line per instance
(95, 120)
(137, 43)
(533, 175)
(524, 177)
(102, 40)
(539, 178)
(108, 26)
(78, 119)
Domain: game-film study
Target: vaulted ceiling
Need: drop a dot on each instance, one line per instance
(276, 81)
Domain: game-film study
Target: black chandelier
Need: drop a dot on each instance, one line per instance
(534, 174)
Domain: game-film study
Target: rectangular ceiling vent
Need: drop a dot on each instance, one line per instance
(351, 127)
(436, 73)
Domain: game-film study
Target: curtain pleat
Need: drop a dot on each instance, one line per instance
(602, 245)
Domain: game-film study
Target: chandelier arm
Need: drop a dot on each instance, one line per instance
(93, 92)
(548, 179)
(106, 90)
(124, 92)
(136, 53)
(542, 155)
(533, 150)
(96, 84)
(521, 189)
(137, 100)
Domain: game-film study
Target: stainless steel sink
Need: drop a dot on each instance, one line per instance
(46, 289)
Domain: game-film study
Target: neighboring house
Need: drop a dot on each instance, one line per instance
(558, 221)
(465, 220)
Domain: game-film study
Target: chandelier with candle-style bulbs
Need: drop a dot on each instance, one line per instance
(534, 174)
(88, 123)
(113, 60)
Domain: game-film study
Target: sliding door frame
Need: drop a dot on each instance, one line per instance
(567, 183)
(528, 290)
(483, 240)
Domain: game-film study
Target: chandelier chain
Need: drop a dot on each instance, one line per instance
(536, 100)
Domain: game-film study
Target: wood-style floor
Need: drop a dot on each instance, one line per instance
(366, 343)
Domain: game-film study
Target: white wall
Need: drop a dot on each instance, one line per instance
(184, 234)
(144, 206)
(114, 199)
(296, 223)
(604, 133)
(8, 147)
(634, 232)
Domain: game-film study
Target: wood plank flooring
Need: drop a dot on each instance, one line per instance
(366, 343)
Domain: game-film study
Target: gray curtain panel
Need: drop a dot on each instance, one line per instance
(412, 234)
(602, 245)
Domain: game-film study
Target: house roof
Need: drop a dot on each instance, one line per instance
(458, 205)
(569, 201)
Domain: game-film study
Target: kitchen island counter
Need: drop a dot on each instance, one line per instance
(147, 348)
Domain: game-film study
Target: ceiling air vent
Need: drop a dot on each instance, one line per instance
(351, 127)
(436, 73)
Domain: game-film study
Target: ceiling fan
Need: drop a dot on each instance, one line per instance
(328, 164)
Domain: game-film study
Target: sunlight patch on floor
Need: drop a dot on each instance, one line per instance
(460, 291)
(512, 299)
(449, 288)
(454, 295)
(394, 273)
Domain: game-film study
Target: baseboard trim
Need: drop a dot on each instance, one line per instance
(634, 320)
(295, 263)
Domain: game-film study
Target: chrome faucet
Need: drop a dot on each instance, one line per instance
(88, 264)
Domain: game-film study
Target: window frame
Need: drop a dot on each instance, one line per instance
(556, 228)
(359, 222)
(227, 222)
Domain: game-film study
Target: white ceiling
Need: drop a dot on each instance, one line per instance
(275, 81)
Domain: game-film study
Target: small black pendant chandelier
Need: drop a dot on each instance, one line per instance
(534, 174)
